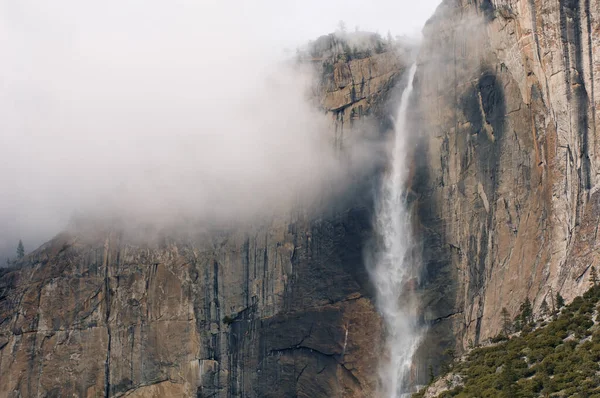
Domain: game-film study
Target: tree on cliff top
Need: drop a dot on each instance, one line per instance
(20, 250)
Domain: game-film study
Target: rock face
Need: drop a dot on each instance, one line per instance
(277, 310)
(505, 191)
(357, 88)
(508, 159)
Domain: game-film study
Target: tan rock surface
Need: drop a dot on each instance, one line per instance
(508, 203)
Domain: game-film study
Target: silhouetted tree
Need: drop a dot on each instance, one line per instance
(447, 365)
(20, 250)
(508, 379)
(560, 301)
(526, 312)
(544, 307)
(593, 276)
(506, 324)
(390, 39)
(450, 353)
(553, 304)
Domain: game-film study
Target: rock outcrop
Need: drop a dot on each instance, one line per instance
(281, 309)
(508, 159)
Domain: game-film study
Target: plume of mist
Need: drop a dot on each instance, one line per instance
(171, 119)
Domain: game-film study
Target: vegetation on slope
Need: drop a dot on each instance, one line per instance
(557, 359)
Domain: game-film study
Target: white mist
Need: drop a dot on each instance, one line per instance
(394, 272)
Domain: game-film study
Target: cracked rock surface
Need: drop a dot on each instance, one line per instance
(281, 309)
(508, 159)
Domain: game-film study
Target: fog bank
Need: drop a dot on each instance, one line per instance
(153, 111)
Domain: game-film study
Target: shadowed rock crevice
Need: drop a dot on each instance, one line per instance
(573, 53)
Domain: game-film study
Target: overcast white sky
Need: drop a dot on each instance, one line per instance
(91, 91)
(283, 23)
(304, 20)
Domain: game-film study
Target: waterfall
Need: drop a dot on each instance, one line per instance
(394, 272)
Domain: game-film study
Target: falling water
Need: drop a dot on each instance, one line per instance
(395, 264)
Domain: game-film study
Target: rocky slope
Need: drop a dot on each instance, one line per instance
(554, 356)
(281, 309)
(508, 175)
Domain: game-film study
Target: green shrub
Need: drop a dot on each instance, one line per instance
(541, 361)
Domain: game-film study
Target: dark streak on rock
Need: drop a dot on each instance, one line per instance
(533, 11)
(442, 318)
(570, 25)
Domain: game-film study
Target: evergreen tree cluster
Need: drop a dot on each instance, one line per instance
(560, 358)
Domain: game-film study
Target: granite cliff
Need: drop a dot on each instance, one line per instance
(272, 310)
(506, 205)
(507, 173)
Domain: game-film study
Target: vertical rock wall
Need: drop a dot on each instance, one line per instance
(507, 165)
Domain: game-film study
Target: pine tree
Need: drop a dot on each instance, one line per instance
(447, 365)
(526, 312)
(518, 323)
(560, 301)
(549, 385)
(20, 250)
(506, 324)
(508, 379)
(544, 307)
(431, 375)
(553, 305)
(450, 353)
(593, 276)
